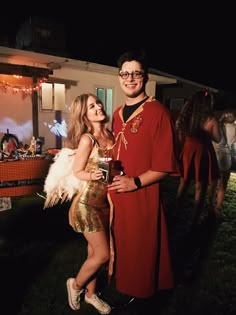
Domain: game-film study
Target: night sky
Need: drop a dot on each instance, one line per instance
(193, 42)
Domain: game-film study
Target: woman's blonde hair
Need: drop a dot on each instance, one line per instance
(79, 124)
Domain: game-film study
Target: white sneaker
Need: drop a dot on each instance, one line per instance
(73, 295)
(101, 306)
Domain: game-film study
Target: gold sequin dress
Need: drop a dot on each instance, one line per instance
(89, 211)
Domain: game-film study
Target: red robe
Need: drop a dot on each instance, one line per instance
(142, 258)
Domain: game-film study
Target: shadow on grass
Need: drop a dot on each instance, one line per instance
(29, 239)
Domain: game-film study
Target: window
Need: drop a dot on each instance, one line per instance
(106, 96)
(52, 96)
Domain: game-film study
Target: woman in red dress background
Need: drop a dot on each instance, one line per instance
(197, 127)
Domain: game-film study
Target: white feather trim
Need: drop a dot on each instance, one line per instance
(61, 183)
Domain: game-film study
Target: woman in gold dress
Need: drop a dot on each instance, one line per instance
(89, 211)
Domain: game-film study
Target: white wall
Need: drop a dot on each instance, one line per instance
(16, 114)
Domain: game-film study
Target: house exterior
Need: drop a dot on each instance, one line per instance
(28, 109)
(37, 88)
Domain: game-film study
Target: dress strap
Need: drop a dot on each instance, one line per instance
(91, 137)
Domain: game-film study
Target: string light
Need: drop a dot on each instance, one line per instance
(17, 76)
(5, 86)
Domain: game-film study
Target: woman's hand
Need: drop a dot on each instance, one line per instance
(96, 175)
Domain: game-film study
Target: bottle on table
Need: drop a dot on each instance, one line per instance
(38, 146)
(33, 145)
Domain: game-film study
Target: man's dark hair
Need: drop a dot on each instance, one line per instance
(138, 55)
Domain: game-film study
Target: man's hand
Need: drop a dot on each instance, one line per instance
(122, 184)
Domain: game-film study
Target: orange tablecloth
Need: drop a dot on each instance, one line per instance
(23, 177)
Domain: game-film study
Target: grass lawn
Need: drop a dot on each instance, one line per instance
(207, 282)
(39, 251)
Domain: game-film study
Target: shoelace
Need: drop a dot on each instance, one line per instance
(117, 306)
(96, 299)
(77, 299)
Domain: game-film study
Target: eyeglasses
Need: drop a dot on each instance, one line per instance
(134, 74)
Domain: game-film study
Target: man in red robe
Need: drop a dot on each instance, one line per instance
(146, 146)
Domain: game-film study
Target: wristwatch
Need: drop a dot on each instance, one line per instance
(137, 182)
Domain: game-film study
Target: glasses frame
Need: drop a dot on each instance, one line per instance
(134, 74)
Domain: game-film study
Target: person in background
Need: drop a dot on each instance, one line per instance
(146, 146)
(197, 127)
(228, 137)
(89, 211)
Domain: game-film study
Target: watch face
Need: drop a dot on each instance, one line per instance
(137, 182)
